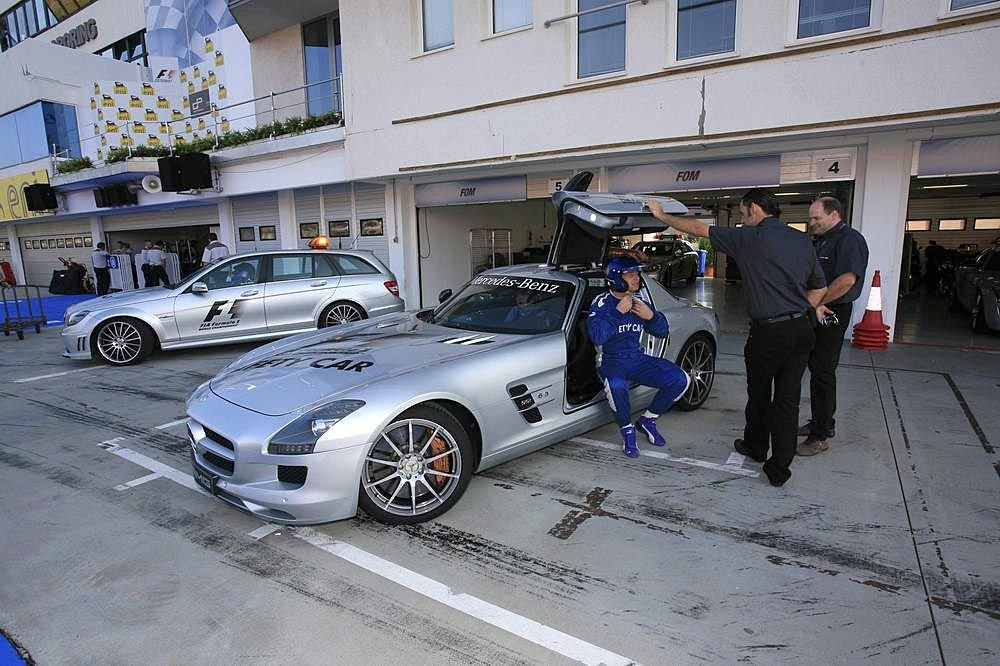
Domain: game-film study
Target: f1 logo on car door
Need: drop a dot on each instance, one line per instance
(232, 307)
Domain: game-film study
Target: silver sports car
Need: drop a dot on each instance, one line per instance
(255, 296)
(396, 413)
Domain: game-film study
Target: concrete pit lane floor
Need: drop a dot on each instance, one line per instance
(883, 549)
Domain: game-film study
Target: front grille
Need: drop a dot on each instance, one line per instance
(218, 461)
(219, 439)
(293, 474)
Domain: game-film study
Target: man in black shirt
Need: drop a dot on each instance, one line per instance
(843, 255)
(783, 286)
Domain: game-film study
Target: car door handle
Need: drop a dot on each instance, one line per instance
(318, 283)
(251, 292)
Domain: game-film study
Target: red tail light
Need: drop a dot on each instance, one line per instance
(393, 287)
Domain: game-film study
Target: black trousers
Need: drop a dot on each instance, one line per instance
(103, 276)
(156, 275)
(776, 356)
(823, 371)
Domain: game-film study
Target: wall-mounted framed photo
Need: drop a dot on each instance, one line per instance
(308, 229)
(44, 244)
(88, 241)
(36, 244)
(69, 242)
(339, 228)
(247, 234)
(27, 244)
(78, 241)
(52, 243)
(60, 242)
(267, 233)
(372, 227)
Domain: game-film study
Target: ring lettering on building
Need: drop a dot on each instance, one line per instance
(78, 36)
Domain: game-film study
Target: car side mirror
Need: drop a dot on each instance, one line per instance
(199, 288)
(444, 295)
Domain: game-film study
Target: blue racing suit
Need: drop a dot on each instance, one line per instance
(621, 359)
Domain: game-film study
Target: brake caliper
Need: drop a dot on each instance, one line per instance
(442, 464)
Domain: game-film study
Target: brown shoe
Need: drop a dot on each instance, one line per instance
(811, 446)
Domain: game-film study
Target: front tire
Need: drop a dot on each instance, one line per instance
(697, 359)
(123, 341)
(417, 467)
(341, 312)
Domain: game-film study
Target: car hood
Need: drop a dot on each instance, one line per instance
(315, 368)
(120, 298)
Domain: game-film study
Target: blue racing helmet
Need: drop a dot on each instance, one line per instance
(619, 265)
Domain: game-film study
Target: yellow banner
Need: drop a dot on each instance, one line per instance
(13, 207)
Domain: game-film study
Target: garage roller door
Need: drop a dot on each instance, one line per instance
(256, 219)
(43, 244)
(193, 216)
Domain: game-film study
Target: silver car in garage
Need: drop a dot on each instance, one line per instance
(395, 414)
(247, 297)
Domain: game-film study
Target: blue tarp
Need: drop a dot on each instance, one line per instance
(54, 307)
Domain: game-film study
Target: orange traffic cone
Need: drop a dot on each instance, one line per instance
(870, 332)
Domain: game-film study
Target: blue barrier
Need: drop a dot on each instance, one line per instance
(702, 259)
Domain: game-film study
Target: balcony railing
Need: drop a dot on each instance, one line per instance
(288, 111)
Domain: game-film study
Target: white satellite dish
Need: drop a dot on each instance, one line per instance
(151, 184)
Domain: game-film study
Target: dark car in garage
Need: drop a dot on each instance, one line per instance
(670, 258)
(977, 290)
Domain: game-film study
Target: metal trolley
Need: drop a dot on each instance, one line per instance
(22, 308)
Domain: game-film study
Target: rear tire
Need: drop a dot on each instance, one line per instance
(123, 341)
(697, 359)
(694, 275)
(423, 471)
(979, 316)
(341, 312)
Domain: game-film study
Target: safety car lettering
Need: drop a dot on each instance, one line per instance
(341, 364)
(520, 283)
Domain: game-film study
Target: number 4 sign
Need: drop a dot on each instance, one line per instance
(834, 168)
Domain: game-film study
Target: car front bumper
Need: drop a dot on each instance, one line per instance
(228, 443)
(76, 343)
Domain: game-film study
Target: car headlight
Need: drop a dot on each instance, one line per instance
(76, 318)
(300, 436)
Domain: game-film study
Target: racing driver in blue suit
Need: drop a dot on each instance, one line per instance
(616, 320)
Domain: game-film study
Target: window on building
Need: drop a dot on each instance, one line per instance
(986, 223)
(129, 49)
(439, 24)
(957, 224)
(601, 46)
(510, 14)
(705, 27)
(962, 4)
(822, 17)
(323, 65)
(29, 18)
(36, 130)
(918, 225)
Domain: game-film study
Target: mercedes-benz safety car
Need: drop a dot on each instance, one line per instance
(395, 414)
(243, 298)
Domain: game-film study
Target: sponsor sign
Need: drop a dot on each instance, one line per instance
(12, 203)
(484, 190)
(681, 176)
(531, 284)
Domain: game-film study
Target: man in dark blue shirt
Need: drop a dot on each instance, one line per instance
(783, 284)
(843, 255)
(617, 318)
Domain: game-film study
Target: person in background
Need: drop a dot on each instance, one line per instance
(157, 260)
(934, 255)
(99, 260)
(214, 251)
(616, 320)
(843, 255)
(144, 262)
(784, 285)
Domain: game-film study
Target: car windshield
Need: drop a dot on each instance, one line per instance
(508, 304)
(659, 249)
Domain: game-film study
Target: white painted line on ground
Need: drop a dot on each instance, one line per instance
(25, 380)
(694, 462)
(138, 482)
(171, 424)
(263, 531)
(535, 632)
(736, 459)
(166, 471)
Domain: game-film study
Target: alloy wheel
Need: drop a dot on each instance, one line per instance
(412, 468)
(120, 342)
(343, 313)
(698, 362)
